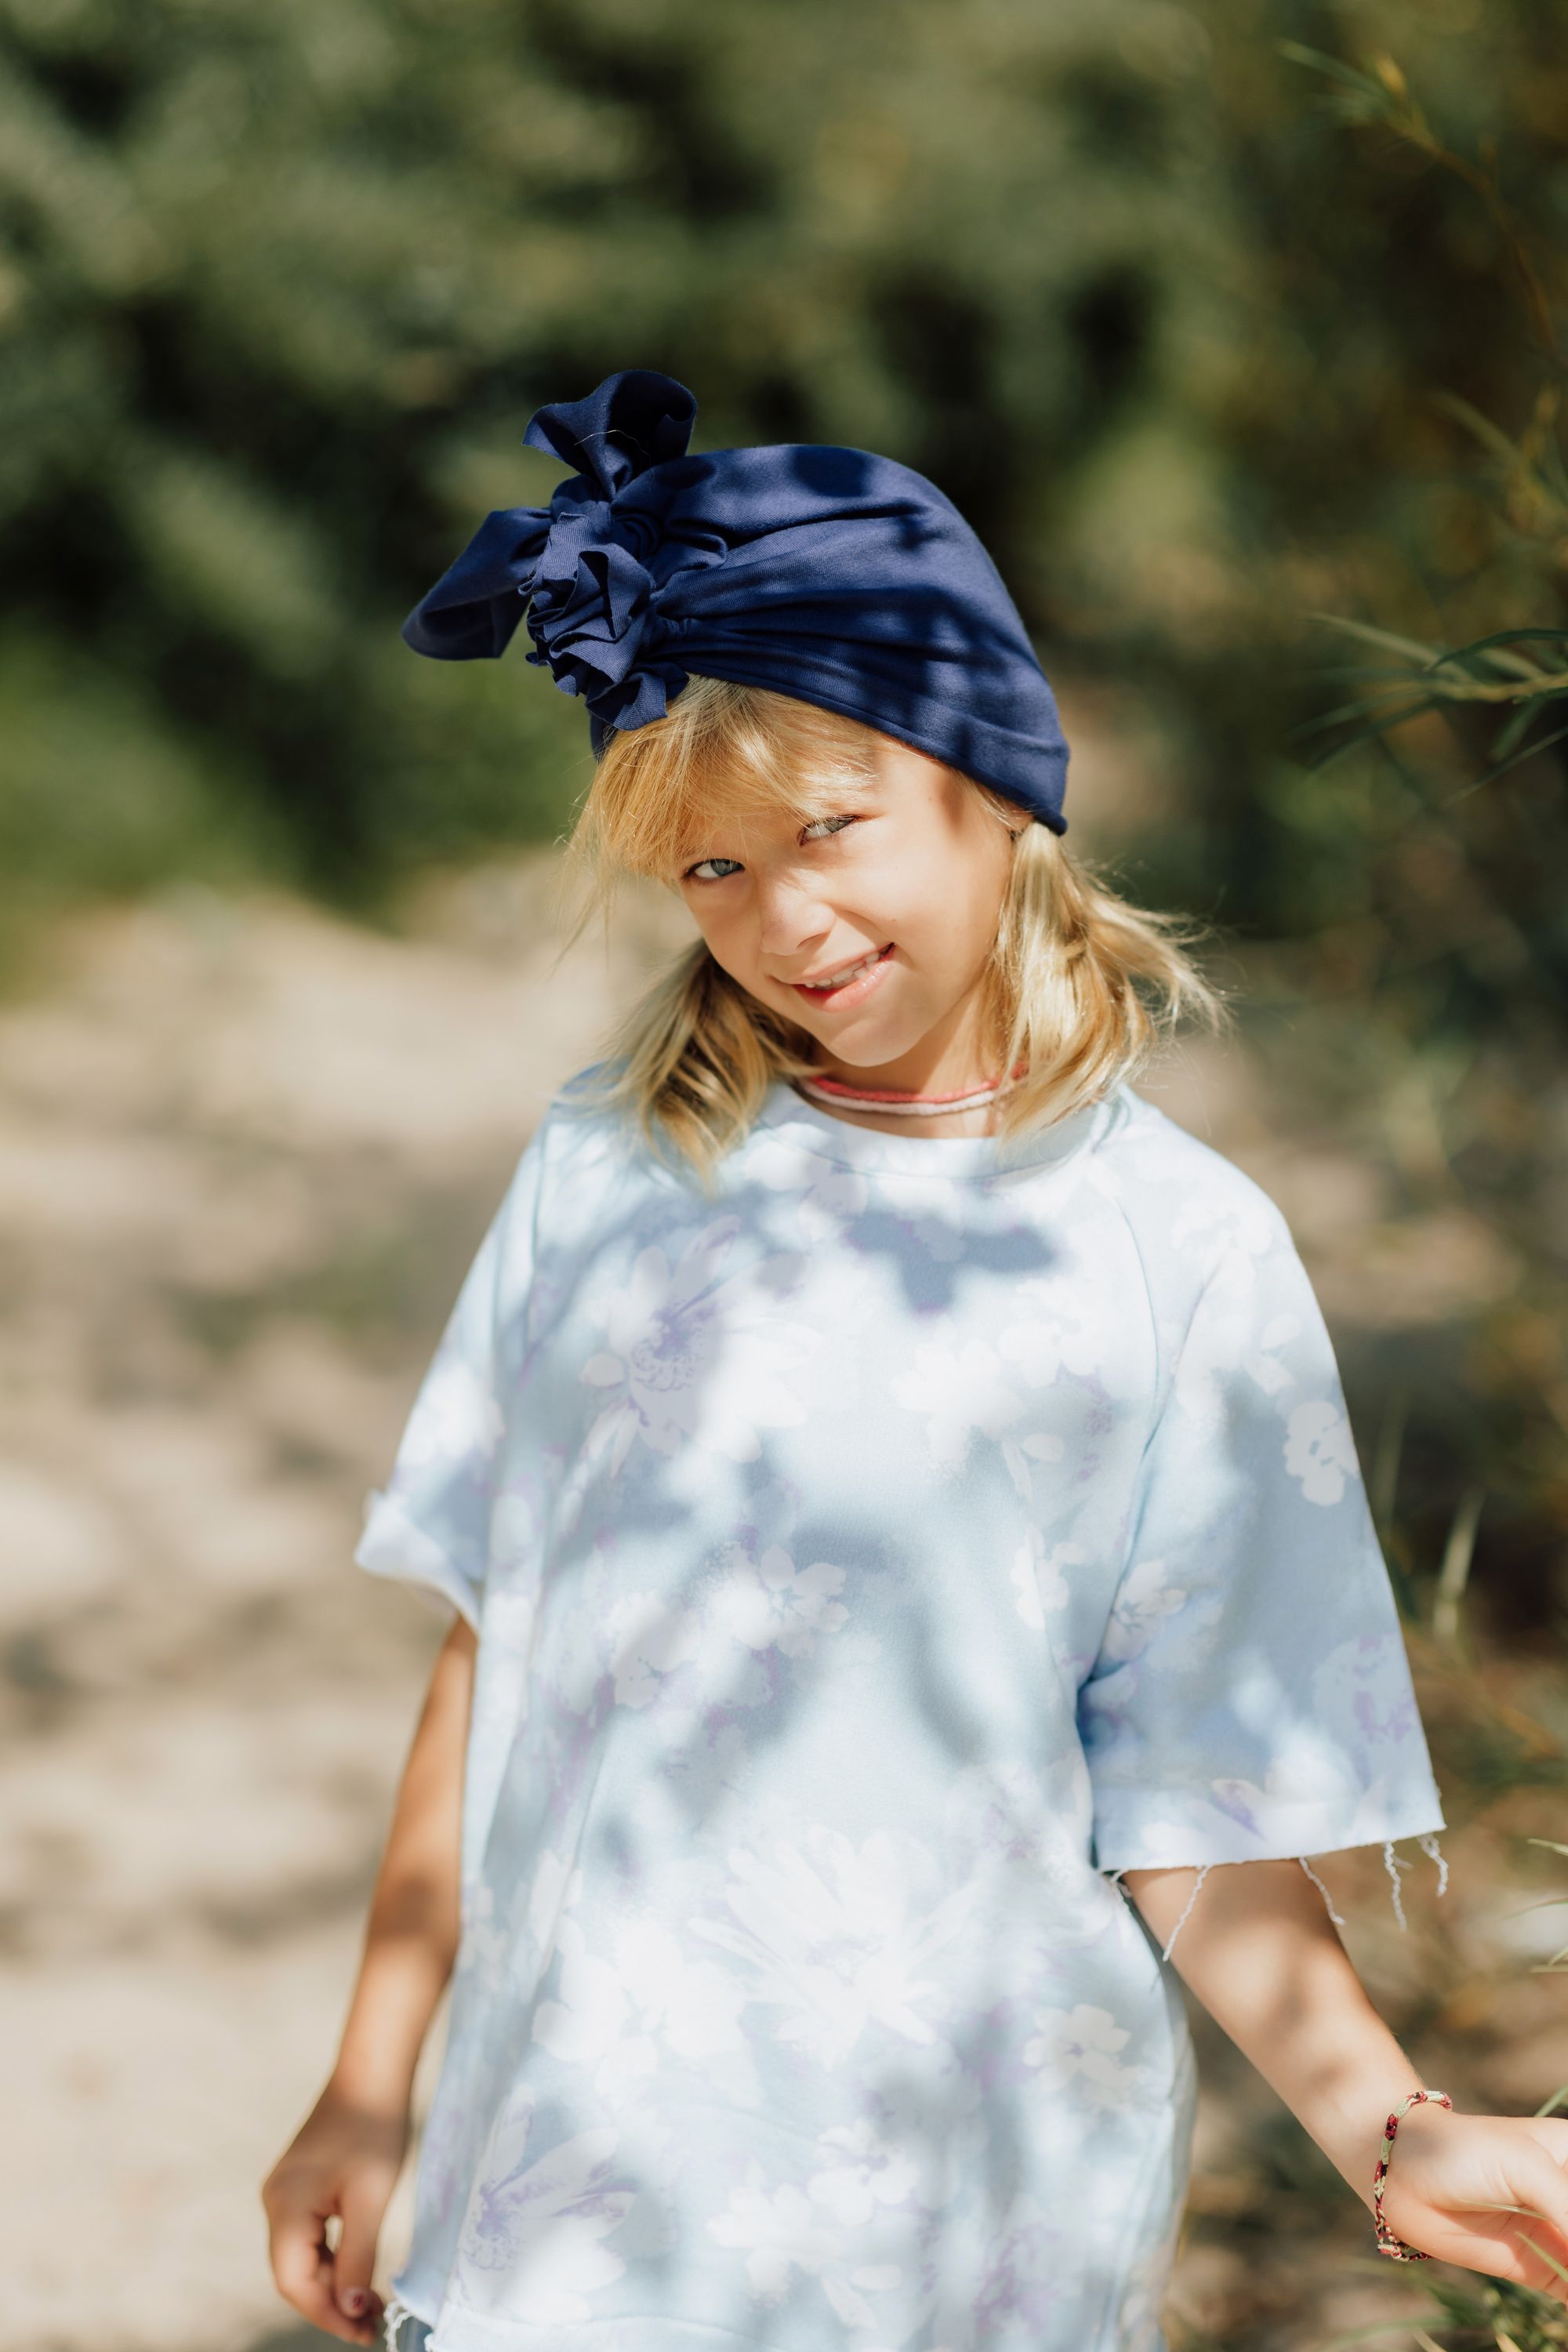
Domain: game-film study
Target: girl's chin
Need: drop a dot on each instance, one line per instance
(867, 1041)
(858, 1056)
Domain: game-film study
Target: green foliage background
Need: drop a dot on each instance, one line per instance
(283, 280)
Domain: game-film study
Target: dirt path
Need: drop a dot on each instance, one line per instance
(245, 1154)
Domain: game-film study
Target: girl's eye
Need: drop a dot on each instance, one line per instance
(695, 873)
(836, 822)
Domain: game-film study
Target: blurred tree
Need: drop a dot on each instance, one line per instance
(1436, 998)
(281, 283)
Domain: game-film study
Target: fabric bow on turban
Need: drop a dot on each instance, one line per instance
(841, 578)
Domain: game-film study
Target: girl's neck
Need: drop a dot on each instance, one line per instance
(948, 1062)
(980, 1121)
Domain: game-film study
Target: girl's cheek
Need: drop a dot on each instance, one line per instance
(734, 945)
(732, 955)
(706, 921)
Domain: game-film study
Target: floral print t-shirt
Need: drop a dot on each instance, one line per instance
(869, 1561)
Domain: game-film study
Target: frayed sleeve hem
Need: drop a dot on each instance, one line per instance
(1426, 1839)
(1141, 1839)
(395, 1546)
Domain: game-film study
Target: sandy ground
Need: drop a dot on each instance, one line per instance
(246, 1151)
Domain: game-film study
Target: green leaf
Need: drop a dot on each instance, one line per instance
(1492, 775)
(1301, 55)
(1369, 733)
(1375, 636)
(1361, 709)
(1517, 725)
(1482, 426)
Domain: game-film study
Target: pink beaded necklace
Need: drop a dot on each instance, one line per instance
(902, 1103)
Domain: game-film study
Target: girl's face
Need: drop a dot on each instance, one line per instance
(871, 927)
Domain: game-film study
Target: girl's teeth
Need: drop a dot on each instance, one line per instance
(845, 978)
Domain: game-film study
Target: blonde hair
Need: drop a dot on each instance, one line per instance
(1079, 984)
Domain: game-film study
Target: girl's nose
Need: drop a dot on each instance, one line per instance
(792, 915)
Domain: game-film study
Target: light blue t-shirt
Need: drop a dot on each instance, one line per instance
(866, 1561)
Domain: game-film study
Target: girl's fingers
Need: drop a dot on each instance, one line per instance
(302, 2269)
(1541, 2185)
(1552, 2132)
(1519, 2233)
(363, 2205)
(1499, 2251)
(1532, 2259)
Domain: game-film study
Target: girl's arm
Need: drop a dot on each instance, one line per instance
(347, 2155)
(1260, 1952)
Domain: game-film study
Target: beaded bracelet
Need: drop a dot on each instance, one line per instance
(1387, 2243)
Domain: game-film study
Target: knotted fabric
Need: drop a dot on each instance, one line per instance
(843, 579)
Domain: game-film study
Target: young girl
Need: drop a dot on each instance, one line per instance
(895, 1496)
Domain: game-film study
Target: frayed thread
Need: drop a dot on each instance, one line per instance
(397, 2312)
(1393, 1864)
(1203, 1870)
(1428, 1842)
(1328, 1898)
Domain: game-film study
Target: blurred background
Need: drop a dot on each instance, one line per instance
(1233, 327)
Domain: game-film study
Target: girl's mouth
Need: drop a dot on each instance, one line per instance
(854, 984)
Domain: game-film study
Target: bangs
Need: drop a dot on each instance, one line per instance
(722, 753)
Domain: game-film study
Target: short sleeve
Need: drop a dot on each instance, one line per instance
(1251, 1697)
(431, 1525)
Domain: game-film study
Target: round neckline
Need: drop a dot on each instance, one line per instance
(785, 1112)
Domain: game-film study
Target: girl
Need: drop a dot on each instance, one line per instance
(895, 1497)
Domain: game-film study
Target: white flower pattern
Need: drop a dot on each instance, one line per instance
(1319, 1451)
(542, 2225)
(460, 1418)
(839, 1938)
(768, 1604)
(827, 2227)
(1149, 1594)
(825, 1193)
(1081, 2048)
(956, 1386)
(1040, 1577)
(698, 1351)
(618, 2014)
(1057, 1334)
(649, 1638)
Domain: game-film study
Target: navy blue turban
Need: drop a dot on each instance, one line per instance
(841, 578)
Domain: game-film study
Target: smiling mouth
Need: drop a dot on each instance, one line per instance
(842, 977)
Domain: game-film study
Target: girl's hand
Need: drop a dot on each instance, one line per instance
(344, 2161)
(347, 2155)
(1490, 2192)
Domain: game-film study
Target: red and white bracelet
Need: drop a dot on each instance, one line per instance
(1387, 2243)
